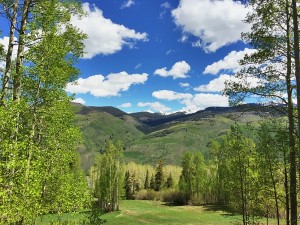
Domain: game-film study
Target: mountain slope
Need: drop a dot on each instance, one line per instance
(97, 126)
(150, 137)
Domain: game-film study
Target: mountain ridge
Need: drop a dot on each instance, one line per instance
(149, 137)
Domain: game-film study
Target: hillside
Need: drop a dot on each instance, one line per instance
(98, 125)
(149, 137)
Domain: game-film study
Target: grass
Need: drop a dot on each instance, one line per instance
(156, 213)
(135, 212)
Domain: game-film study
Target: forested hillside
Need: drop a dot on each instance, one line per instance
(149, 137)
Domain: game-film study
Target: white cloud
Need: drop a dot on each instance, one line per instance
(192, 103)
(169, 51)
(127, 4)
(215, 23)
(138, 66)
(202, 101)
(111, 85)
(166, 5)
(2, 64)
(155, 106)
(171, 95)
(218, 84)
(4, 41)
(230, 62)
(184, 84)
(183, 38)
(126, 105)
(104, 36)
(79, 100)
(178, 70)
(215, 85)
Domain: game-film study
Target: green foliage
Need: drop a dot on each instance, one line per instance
(109, 177)
(131, 185)
(159, 176)
(146, 183)
(148, 194)
(93, 217)
(249, 174)
(191, 182)
(152, 182)
(39, 166)
(169, 182)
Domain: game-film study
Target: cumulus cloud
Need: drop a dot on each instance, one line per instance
(204, 100)
(126, 105)
(170, 95)
(127, 4)
(155, 106)
(230, 62)
(218, 84)
(111, 85)
(215, 85)
(214, 23)
(192, 103)
(79, 100)
(104, 36)
(178, 70)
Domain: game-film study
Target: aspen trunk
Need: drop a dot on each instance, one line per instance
(20, 54)
(293, 180)
(8, 61)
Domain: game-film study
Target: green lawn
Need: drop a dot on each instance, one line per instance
(156, 213)
(136, 212)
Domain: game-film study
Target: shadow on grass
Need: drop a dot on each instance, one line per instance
(227, 211)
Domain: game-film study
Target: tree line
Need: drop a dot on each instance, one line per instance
(247, 171)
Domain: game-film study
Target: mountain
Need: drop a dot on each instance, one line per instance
(149, 137)
(99, 124)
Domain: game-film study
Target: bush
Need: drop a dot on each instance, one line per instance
(173, 196)
(147, 195)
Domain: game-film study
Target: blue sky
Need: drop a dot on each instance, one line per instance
(158, 55)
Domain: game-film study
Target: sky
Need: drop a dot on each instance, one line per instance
(158, 55)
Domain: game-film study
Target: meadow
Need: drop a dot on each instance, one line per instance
(136, 212)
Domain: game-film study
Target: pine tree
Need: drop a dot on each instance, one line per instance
(159, 176)
(152, 182)
(169, 182)
(146, 183)
(128, 185)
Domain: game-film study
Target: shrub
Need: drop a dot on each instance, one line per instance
(147, 195)
(173, 196)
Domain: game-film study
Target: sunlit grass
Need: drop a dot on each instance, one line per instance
(135, 212)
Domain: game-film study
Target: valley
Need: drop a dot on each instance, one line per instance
(150, 137)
